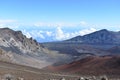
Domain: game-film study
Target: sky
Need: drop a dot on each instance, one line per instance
(56, 20)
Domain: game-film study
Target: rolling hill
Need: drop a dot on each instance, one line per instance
(93, 65)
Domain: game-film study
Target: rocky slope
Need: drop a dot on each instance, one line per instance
(99, 37)
(17, 48)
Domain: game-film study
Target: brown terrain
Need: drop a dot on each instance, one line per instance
(9, 71)
(20, 72)
(108, 65)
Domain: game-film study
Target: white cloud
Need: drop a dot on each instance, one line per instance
(28, 35)
(37, 34)
(58, 34)
(61, 35)
(86, 31)
(49, 33)
(34, 33)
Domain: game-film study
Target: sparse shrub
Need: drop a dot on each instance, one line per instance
(62, 79)
(8, 77)
(104, 78)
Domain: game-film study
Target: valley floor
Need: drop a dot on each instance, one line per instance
(19, 72)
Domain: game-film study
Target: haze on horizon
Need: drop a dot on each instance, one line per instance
(53, 20)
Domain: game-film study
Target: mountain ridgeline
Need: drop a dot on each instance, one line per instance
(99, 37)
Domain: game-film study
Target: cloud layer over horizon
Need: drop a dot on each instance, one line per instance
(45, 32)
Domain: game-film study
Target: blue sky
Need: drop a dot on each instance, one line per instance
(52, 20)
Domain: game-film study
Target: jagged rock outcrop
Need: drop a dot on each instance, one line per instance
(26, 51)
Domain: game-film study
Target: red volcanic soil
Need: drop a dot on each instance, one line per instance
(91, 65)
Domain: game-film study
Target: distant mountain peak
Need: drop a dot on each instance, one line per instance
(6, 29)
(104, 30)
(100, 31)
(103, 36)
